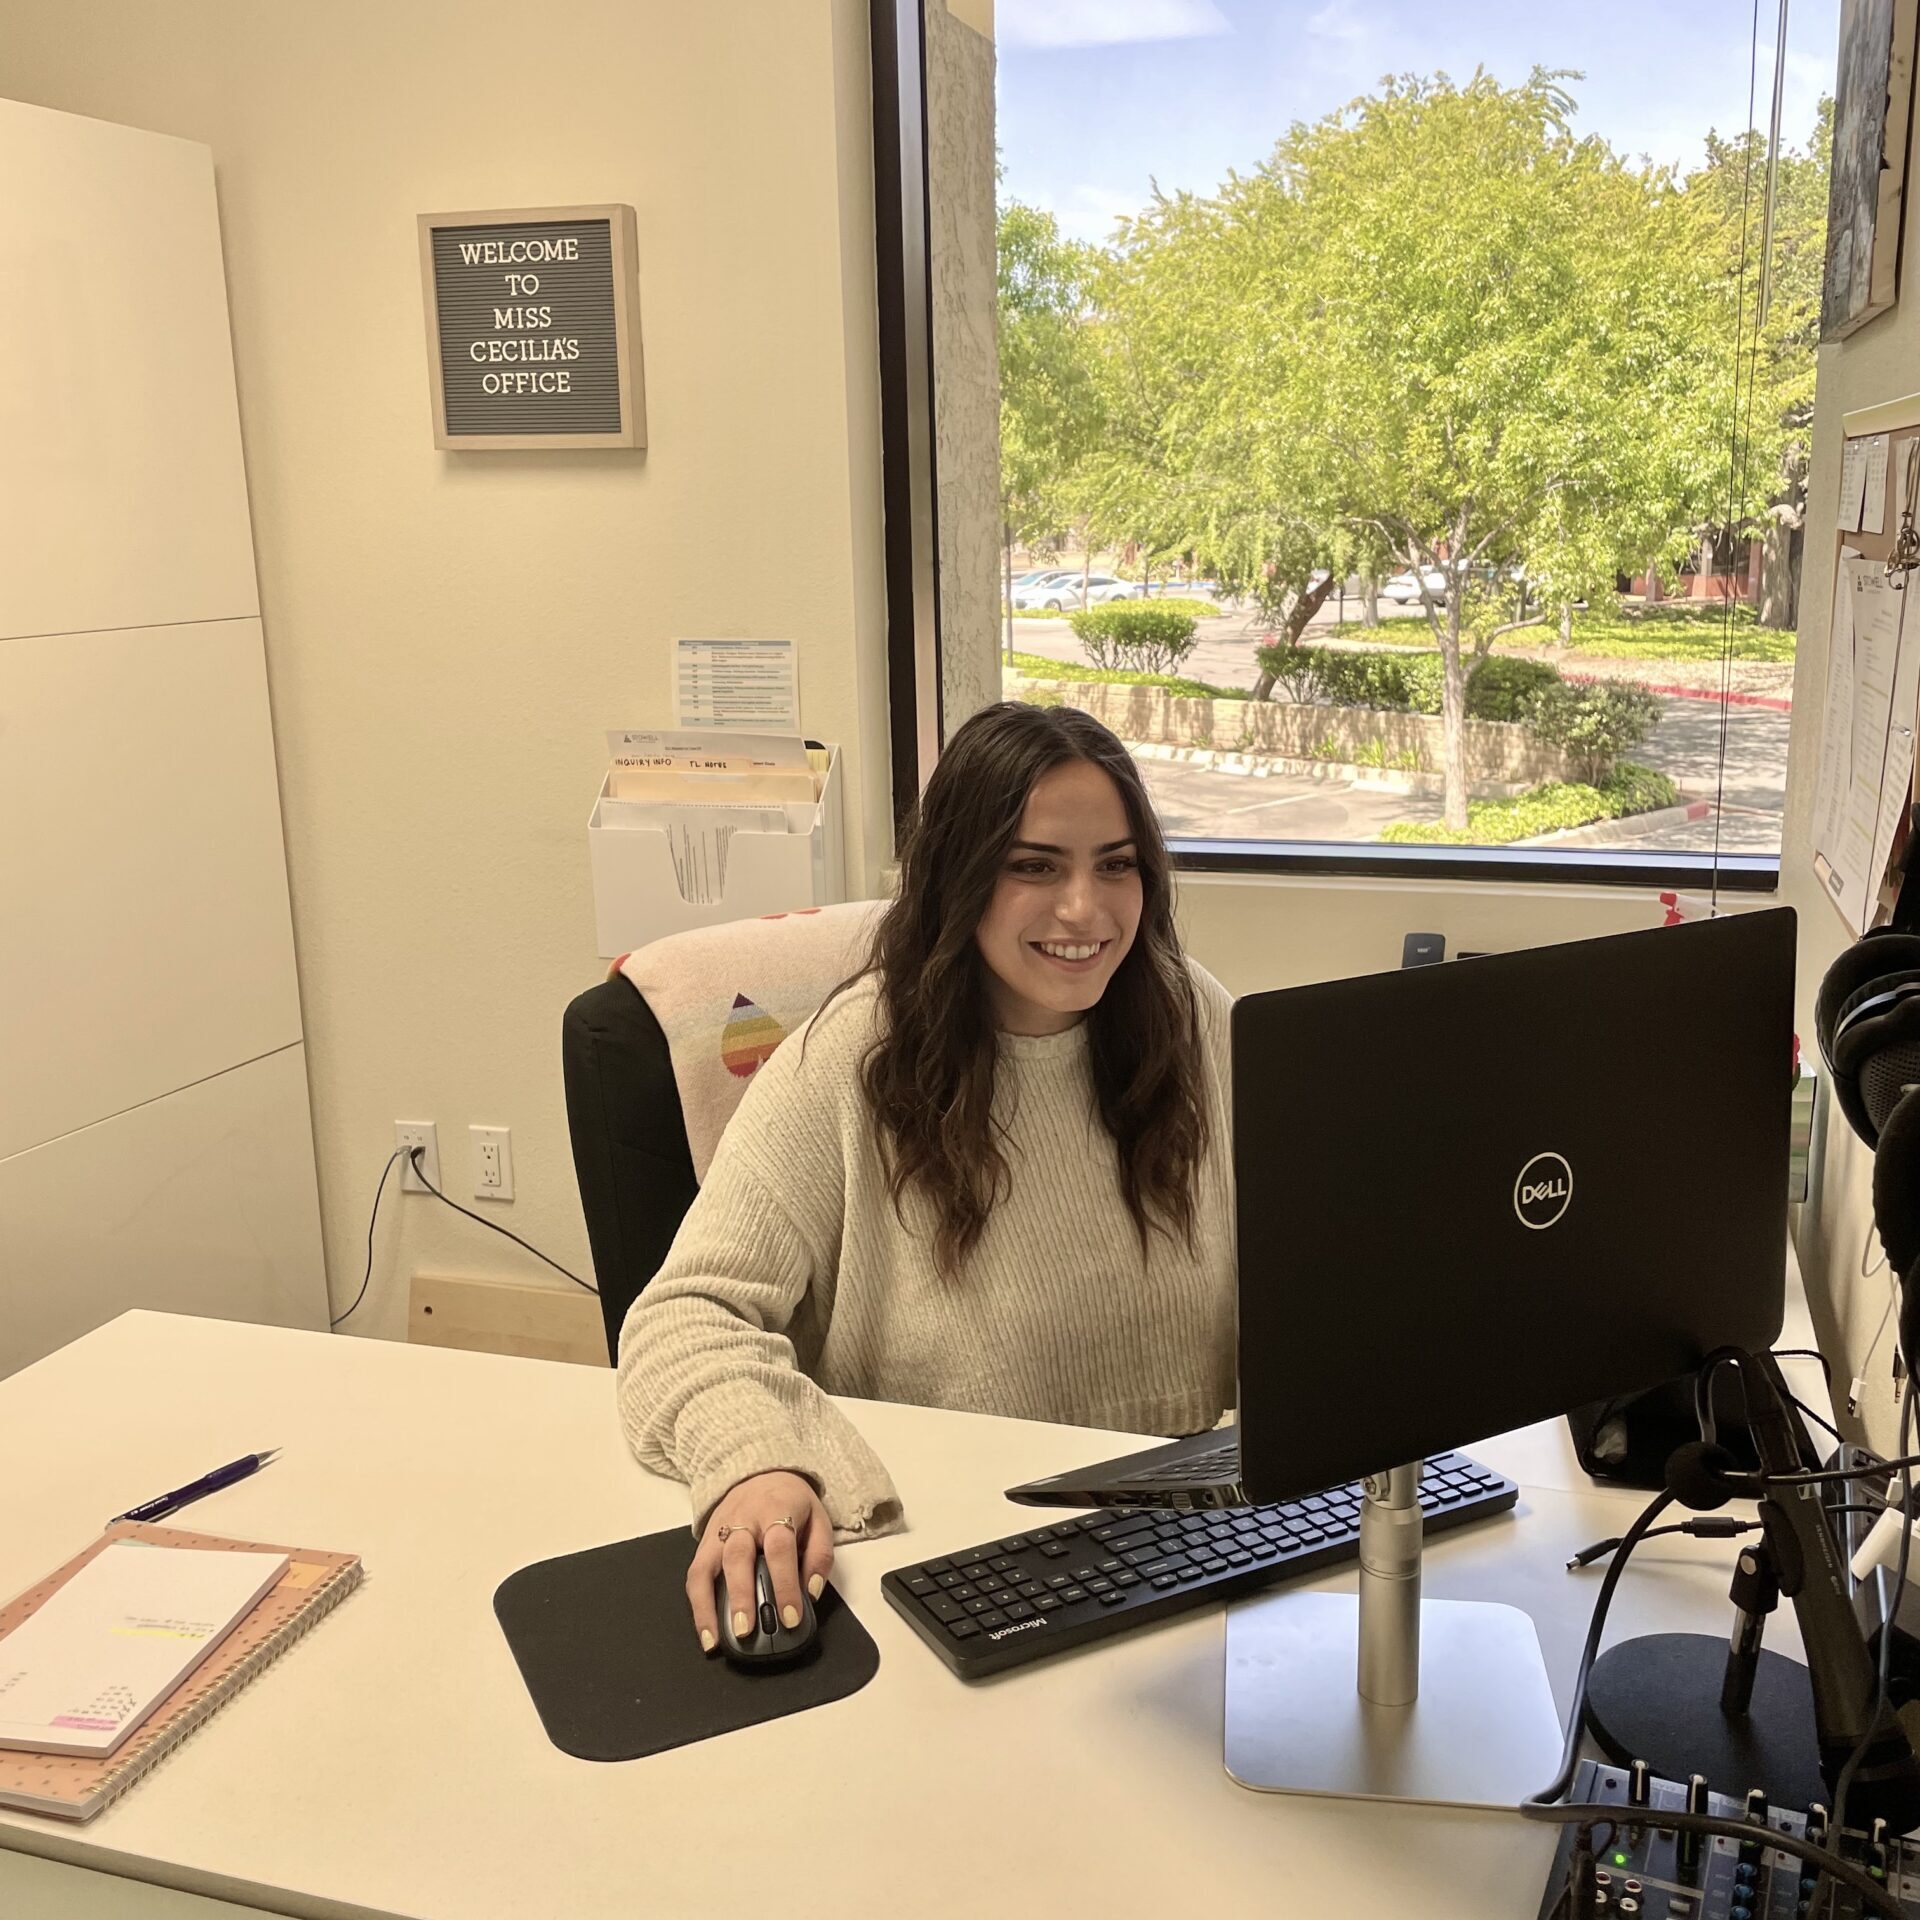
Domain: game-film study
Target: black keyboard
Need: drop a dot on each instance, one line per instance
(1006, 1602)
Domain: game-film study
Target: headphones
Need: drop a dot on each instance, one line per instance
(1867, 1021)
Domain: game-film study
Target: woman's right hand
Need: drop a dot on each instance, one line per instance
(755, 1515)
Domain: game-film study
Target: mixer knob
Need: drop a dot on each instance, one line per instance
(1640, 1785)
(1817, 1825)
(1757, 1813)
(1690, 1842)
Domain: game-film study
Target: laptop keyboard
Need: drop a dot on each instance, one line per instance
(1079, 1579)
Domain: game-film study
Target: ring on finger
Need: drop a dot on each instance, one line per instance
(785, 1520)
(722, 1533)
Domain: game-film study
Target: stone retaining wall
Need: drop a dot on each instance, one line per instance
(1499, 752)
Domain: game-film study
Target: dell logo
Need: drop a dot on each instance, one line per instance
(1000, 1633)
(1543, 1191)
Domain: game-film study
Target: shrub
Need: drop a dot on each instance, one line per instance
(1499, 686)
(1404, 682)
(1180, 603)
(1593, 723)
(1134, 634)
(1547, 809)
(1295, 669)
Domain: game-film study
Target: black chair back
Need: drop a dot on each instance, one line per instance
(629, 1137)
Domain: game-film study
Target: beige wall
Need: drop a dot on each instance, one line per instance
(1881, 362)
(448, 635)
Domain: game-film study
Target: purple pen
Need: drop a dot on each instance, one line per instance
(166, 1503)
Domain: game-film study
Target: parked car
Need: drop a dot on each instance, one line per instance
(1031, 575)
(1404, 588)
(1048, 593)
(1060, 592)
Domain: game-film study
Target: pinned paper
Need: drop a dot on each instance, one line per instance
(1873, 518)
(1853, 485)
(747, 684)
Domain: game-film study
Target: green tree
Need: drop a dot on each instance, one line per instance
(1767, 488)
(1049, 413)
(1200, 451)
(1508, 348)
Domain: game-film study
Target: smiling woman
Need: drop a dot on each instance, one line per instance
(992, 1173)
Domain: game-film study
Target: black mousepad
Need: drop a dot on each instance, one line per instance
(606, 1646)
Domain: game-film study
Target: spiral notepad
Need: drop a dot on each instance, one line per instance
(75, 1787)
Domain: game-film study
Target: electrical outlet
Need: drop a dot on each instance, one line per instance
(492, 1162)
(408, 1134)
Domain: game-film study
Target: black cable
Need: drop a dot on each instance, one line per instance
(1831, 1475)
(1889, 1607)
(1707, 1526)
(1808, 1353)
(1817, 1419)
(1877, 1898)
(417, 1155)
(371, 1218)
(1570, 1751)
(1547, 1804)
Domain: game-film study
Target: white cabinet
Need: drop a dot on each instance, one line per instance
(155, 1142)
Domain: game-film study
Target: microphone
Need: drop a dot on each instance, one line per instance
(1845, 1683)
(1704, 1475)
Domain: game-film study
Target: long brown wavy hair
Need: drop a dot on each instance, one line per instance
(929, 1075)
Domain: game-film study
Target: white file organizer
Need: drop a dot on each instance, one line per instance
(642, 876)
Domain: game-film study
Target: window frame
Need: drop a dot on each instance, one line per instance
(910, 505)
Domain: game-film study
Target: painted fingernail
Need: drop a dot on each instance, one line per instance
(790, 1615)
(817, 1585)
(741, 1625)
(706, 1640)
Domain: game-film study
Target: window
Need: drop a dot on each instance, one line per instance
(1415, 474)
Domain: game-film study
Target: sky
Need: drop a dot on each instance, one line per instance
(1100, 98)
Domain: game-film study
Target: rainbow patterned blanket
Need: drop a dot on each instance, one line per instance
(726, 996)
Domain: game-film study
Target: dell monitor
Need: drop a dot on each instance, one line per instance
(1470, 1197)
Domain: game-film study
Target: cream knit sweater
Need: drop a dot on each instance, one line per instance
(793, 1279)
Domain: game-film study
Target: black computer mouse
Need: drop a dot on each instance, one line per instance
(769, 1642)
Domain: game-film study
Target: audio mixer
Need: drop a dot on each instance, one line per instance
(1656, 1874)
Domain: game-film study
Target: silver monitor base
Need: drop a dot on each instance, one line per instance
(1483, 1731)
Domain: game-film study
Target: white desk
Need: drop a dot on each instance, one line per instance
(391, 1764)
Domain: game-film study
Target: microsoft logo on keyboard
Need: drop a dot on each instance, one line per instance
(1000, 1633)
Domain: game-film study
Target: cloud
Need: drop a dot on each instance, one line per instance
(1104, 23)
(1087, 211)
(1347, 43)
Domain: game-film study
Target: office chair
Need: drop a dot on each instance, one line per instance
(657, 1057)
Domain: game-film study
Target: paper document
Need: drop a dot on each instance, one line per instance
(736, 683)
(81, 1673)
(1873, 517)
(1896, 774)
(1866, 744)
(1853, 485)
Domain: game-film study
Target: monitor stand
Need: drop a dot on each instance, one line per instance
(1452, 1706)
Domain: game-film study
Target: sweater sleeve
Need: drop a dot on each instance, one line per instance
(709, 1390)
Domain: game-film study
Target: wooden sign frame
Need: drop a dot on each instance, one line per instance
(622, 233)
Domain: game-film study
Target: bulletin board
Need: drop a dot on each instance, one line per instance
(1868, 779)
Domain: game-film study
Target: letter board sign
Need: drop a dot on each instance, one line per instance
(533, 328)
